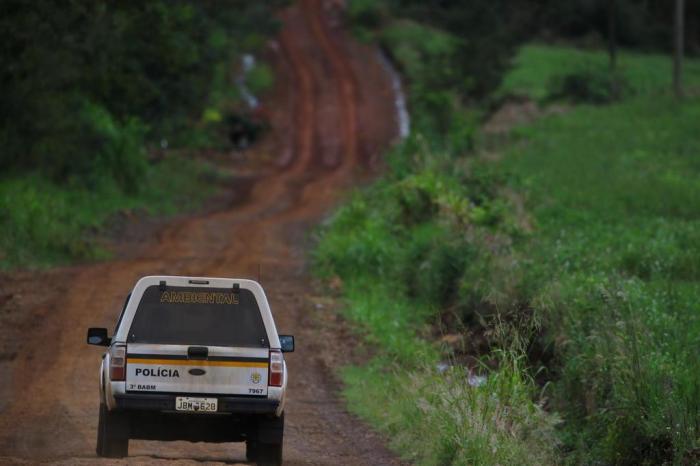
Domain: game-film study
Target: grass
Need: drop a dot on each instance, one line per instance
(400, 249)
(535, 66)
(582, 239)
(616, 268)
(438, 419)
(46, 222)
(421, 53)
(43, 223)
(613, 270)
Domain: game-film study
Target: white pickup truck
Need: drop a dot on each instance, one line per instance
(195, 359)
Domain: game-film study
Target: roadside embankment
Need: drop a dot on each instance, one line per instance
(532, 299)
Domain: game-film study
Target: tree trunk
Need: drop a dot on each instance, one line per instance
(612, 48)
(612, 34)
(678, 36)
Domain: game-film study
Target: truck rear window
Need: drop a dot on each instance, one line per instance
(198, 316)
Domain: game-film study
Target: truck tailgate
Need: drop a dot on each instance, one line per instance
(169, 369)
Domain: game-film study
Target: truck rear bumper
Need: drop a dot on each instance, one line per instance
(166, 403)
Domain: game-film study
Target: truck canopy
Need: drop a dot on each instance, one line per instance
(197, 336)
(198, 316)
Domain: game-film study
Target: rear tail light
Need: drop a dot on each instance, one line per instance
(117, 363)
(276, 368)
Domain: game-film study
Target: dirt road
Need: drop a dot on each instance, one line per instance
(328, 124)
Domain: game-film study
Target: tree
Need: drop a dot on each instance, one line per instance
(487, 34)
(612, 34)
(84, 82)
(678, 36)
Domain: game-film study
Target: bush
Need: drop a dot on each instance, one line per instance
(604, 292)
(538, 66)
(438, 418)
(613, 274)
(90, 147)
(426, 56)
(119, 152)
(87, 87)
(589, 85)
(45, 223)
(465, 48)
(260, 78)
(122, 64)
(366, 14)
(402, 249)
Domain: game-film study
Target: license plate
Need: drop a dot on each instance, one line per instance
(196, 405)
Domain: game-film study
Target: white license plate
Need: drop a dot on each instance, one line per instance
(196, 405)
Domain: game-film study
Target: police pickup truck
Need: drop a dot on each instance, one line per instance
(195, 359)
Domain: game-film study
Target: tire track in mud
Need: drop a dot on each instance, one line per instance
(304, 105)
(345, 81)
(52, 413)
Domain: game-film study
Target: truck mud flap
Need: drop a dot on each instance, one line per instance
(271, 429)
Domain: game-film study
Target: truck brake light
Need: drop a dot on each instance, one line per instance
(117, 363)
(276, 368)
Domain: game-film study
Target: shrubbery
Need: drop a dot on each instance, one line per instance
(87, 87)
(121, 63)
(613, 272)
(581, 237)
(439, 419)
(465, 47)
(44, 223)
(539, 69)
(406, 250)
(589, 85)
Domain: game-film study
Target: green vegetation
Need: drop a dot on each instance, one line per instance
(614, 273)
(409, 251)
(565, 270)
(426, 56)
(438, 419)
(43, 223)
(484, 35)
(467, 46)
(537, 67)
(89, 88)
(406, 251)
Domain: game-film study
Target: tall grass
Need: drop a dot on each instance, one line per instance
(535, 66)
(43, 223)
(438, 419)
(616, 272)
(401, 250)
(583, 235)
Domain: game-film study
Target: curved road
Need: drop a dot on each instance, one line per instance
(328, 125)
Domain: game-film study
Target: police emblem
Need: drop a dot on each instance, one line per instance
(255, 377)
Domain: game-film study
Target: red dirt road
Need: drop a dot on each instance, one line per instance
(332, 113)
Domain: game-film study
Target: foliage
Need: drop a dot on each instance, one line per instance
(88, 87)
(582, 236)
(589, 85)
(425, 56)
(615, 273)
(402, 249)
(142, 65)
(468, 44)
(439, 419)
(643, 25)
(366, 16)
(42, 223)
(536, 66)
(260, 78)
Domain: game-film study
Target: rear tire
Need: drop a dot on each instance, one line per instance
(112, 433)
